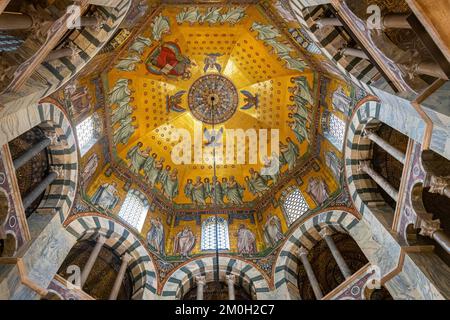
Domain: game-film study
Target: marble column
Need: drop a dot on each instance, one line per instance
(39, 189)
(88, 21)
(326, 234)
(230, 282)
(15, 21)
(440, 185)
(118, 282)
(364, 166)
(393, 151)
(395, 21)
(426, 68)
(2, 232)
(357, 53)
(60, 53)
(201, 281)
(31, 152)
(334, 22)
(432, 229)
(92, 258)
(303, 255)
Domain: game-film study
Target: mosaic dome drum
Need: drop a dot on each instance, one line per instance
(213, 98)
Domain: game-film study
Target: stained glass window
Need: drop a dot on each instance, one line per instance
(209, 234)
(336, 130)
(134, 209)
(88, 132)
(294, 206)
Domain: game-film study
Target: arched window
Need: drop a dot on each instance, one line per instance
(294, 205)
(334, 129)
(209, 234)
(134, 209)
(88, 132)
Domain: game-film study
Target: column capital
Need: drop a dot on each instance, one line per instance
(126, 258)
(200, 280)
(325, 232)
(101, 239)
(368, 131)
(428, 227)
(302, 251)
(438, 184)
(230, 277)
(363, 165)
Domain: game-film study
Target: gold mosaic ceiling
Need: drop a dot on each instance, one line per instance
(149, 86)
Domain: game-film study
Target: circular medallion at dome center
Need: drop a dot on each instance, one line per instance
(213, 99)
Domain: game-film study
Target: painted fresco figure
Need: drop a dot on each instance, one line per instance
(170, 183)
(246, 241)
(155, 171)
(198, 192)
(155, 236)
(272, 167)
(318, 190)
(211, 62)
(167, 59)
(272, 231)
(256, 183)
(340, 100)
(124, 132)
(124, 110)
(120, 92)
(216, 191)
(188, 190)
(234, 191)
(106, 196)
(289, 152)
(148, 165)
(173, 103)
(184, 243)
(137, 157)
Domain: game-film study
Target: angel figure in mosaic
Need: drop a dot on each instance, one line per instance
(137, 157)
(128, 63)
(124, 132)
(124, 110)
(120, 92)
(234, 191)
(233, 15)
(173, 103)
(211, 62)
(250, 100)
(140, 44)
